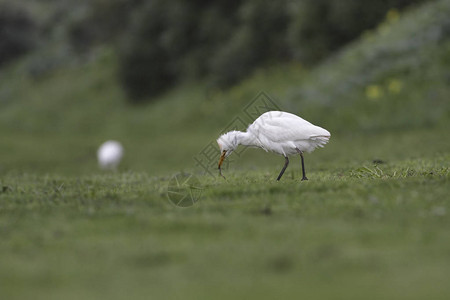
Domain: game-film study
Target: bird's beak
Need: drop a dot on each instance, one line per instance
(222, 157)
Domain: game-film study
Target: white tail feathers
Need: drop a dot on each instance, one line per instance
(320, 140)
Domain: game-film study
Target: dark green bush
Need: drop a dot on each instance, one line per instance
(259, 37)
(145, 65)
(17, 32)
(235, 59)
(225, 41)
(171, 41)
(101, 21)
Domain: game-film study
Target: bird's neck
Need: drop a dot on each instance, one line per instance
(246, 139)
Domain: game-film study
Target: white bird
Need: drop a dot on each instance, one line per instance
(276, 131)
(109, 155)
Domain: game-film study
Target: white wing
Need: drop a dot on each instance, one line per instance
(282, 127)
(277, 131)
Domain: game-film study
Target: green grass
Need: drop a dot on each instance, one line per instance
(354, 230)
(376, 232)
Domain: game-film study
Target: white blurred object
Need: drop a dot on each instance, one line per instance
(109, 155)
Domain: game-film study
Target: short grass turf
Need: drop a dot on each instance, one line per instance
(373, 232)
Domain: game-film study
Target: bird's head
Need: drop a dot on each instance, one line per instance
(228, 142)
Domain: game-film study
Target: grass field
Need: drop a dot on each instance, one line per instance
(371, 222)
(375, 232)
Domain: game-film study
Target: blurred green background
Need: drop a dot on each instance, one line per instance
(165, 78)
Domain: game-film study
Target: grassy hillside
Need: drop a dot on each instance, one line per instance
(370, 223)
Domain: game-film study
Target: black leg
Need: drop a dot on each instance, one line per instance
(284, 168)
(303, 164)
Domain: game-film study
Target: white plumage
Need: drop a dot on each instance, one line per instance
(109, 155)
(276, 131)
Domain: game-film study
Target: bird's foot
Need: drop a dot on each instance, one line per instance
(304, 178)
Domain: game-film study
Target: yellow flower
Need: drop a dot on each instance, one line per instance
(374, 92)
(392, 15)
(395, 86)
